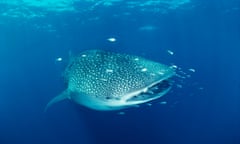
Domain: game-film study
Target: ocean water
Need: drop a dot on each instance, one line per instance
(201, 38)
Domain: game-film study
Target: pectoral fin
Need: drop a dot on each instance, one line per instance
(64, 95)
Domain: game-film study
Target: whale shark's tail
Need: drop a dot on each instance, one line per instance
(64, 95)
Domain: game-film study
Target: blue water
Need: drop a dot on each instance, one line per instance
(203, 108)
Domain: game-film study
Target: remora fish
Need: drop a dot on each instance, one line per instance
(103, 80)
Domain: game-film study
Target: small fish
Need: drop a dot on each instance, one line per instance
(192, 70)
(170, 52)
(59, 59)
(163, 102)
(112, 39)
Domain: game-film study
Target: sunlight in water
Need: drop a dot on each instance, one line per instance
(39, 8)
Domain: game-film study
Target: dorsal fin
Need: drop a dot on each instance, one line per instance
(64, 95)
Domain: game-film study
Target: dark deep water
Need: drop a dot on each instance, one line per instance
(203, 35)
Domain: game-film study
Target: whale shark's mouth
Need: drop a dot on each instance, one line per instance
(150, 93)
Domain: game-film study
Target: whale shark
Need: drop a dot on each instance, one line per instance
(105, 81)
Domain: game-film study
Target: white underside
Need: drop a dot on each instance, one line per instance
(122, 103)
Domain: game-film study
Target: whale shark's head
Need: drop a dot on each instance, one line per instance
(104, 80)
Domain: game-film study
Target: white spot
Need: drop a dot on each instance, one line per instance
(109, 70)
(163, 102)
(112, 39)
(136, 59)
(83, 55)
(192, 70)
(152, 74)
(103, 79)
(144, 69)
(170, 52)
(161, 73)
(59, 59)
(174, 66)
(145, 90)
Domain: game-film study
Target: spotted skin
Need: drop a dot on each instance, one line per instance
(104, 80)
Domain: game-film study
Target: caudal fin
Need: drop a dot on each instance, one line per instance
(64, 95)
